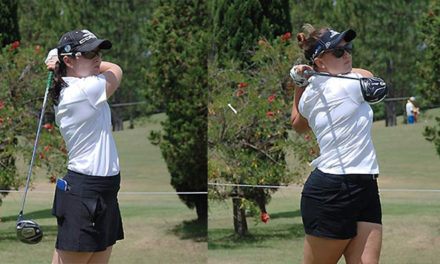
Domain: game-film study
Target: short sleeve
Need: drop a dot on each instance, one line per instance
(95, 89)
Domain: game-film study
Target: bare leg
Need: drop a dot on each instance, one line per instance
(101, 256)
(319, 250)
(365, 247)
(69, 257)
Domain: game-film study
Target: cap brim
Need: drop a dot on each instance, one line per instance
(97, 43)
(347, 35)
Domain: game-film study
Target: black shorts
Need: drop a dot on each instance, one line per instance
(88, 213)
(331, 205)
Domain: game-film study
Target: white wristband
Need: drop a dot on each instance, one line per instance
(299, 80)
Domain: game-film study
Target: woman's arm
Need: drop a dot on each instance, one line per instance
(363, 72)
(113, 76)
(299, 123)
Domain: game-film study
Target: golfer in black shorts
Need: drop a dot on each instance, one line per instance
(340, 203)
(85, 204)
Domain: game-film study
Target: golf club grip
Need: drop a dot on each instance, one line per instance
(309, 72)
(48, 84)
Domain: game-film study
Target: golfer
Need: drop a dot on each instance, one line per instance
(85, 203)
(340, 203)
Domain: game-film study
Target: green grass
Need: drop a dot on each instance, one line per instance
(158, 228)
(411, 220)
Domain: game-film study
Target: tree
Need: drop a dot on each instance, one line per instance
(238, 27)
(176, 75)
(239, 24)
(250, 144)
(8, 23)
(429, 67)
(22, 82)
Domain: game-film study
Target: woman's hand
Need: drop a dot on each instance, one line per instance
(51, 59)
(50, 63)
(297, 74)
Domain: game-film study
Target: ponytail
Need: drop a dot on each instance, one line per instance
(58, 82)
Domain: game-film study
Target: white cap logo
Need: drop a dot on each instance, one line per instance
(87, 35)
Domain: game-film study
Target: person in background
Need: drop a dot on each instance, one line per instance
(412, 112)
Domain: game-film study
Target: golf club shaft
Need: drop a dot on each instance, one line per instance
(328, 75)
(49, 82)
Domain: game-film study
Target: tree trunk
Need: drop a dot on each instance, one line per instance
(390, 113)
(202, 208)
(240, 224)
(117, 121)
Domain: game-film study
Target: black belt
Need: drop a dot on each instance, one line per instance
(364, 177)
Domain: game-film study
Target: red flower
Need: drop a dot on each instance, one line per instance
(240, 93)
(63, 150)
(286, 36)
(431, 14)
(307, 136)
(2, 105)
(261, 42)
(1, 120)
(48, 147)
(271, 98)
(264, 217)
(241, 85)
(155, 21)
(48, 126)
(37, 49)
(270, 113)
(14, 45)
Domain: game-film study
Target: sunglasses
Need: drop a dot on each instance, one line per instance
(87, 54)
(338, 52)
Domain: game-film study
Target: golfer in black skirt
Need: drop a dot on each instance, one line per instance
(85, 203)
(340, 203)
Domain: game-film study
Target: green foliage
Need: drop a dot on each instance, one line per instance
(433, 134)
(22, 87)
(429, 67)
(176, 75)
(239, 24)
(250, 146)
(8, 22)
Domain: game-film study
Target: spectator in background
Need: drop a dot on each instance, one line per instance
(411, 111)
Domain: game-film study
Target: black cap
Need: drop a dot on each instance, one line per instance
(81, 40)
(331, 39)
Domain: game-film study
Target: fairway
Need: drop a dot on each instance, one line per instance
(159, 228)
(411, 220)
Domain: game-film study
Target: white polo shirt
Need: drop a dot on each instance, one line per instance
(84, 118)
(341, 120)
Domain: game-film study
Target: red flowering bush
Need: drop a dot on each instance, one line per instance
(23, 79)
(255, 145)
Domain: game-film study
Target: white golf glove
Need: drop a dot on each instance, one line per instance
(299, 80)
(52, 53)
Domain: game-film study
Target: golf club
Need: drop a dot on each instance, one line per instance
(28, 231)
(307, 72)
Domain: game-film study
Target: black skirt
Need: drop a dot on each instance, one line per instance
(88, 213)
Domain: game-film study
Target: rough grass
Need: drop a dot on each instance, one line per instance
(158, 228)
(411, 220)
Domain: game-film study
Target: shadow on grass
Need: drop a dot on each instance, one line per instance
(288, 214)
(193, 230)
(42, 214)
(226, 238)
